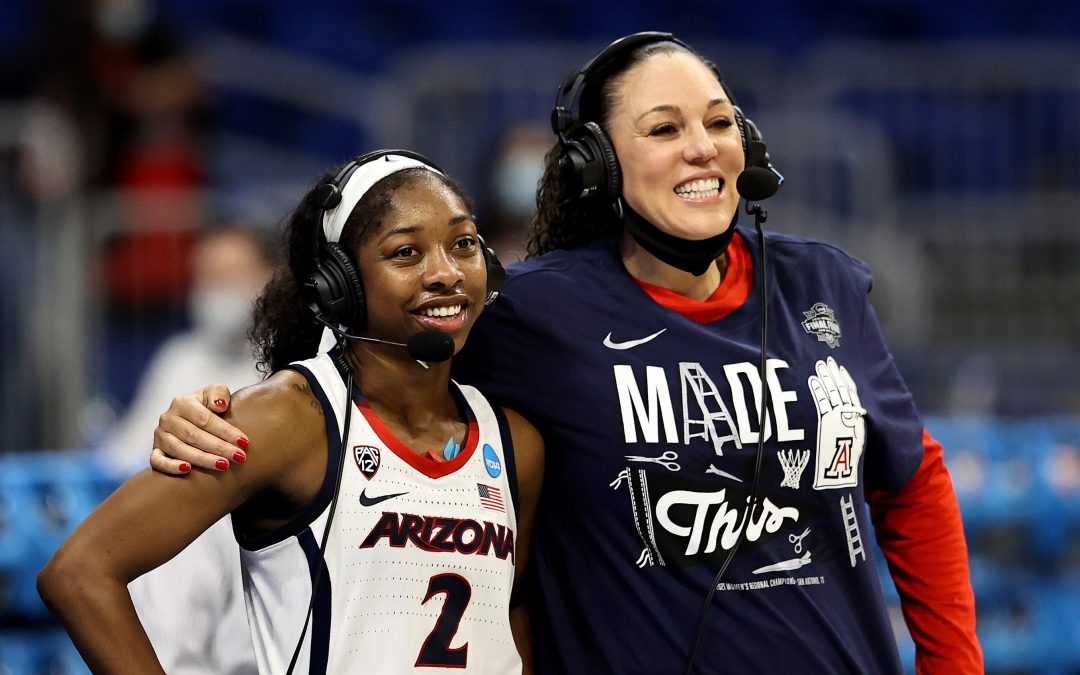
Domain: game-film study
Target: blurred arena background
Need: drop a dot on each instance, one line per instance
(940, 142)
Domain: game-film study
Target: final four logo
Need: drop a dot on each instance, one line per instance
(821, 321)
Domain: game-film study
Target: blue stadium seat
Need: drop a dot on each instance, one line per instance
(21, 551)
(57, 655)
(17, 657)
(43, 497)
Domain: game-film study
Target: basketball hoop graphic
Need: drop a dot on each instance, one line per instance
(793, 462)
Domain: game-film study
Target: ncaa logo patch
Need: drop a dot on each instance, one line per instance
(491, 461)
(821, 321)
(367, 459)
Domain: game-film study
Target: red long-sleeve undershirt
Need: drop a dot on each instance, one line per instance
(919, 529)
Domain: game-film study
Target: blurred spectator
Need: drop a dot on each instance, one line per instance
(192, 606)
(229, 266)
(511, 188)
(117, 70)
(16, 278)
(140, 115)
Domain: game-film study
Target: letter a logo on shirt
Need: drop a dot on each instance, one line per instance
(840, 467)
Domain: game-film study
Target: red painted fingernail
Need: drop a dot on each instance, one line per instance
(238, 457)
(219, 402)
(222, 464)
(185, 467)
(243, 443)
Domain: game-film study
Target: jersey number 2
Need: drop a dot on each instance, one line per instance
(437, 651)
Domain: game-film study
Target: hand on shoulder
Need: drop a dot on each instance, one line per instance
(282, 414)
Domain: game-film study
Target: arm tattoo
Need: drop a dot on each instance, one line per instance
(313, 400)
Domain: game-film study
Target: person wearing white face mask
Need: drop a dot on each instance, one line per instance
(229, 267)
(195, 620)
(219, 316)
(512, 179)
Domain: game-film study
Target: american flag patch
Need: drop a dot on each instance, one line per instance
(491, 498)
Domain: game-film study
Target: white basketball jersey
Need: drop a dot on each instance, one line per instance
(418, 568)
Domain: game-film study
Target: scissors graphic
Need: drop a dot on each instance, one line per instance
(666, 460)
(798, 540)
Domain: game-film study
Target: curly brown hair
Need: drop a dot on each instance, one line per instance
(564, 220)
(283, 329)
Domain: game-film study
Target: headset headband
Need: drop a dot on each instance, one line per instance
(563, 117)
(341, 196)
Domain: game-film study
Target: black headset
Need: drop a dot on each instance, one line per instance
(333, 288)
(587, 159)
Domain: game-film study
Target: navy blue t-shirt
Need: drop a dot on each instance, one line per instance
(650, 423)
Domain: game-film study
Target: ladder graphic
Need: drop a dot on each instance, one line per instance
(708, 399)
(851, 529)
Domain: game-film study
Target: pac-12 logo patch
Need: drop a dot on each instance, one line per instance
(367, 459)
(491, 461)
(821, 321)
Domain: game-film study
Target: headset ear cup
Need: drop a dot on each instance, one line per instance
(757, 154)
(754, 149)
(327, 196)
(589, 163)
(496, 273)
(577, 168)
(744, 135)
(604, 153)
(346, 304)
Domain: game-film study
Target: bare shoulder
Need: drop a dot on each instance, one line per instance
(284, 391)
(281, 411)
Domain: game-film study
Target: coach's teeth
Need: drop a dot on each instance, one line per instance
(452, 310)
(699, 189)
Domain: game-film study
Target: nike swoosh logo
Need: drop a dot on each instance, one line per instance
(610, 344)
(372, 501)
